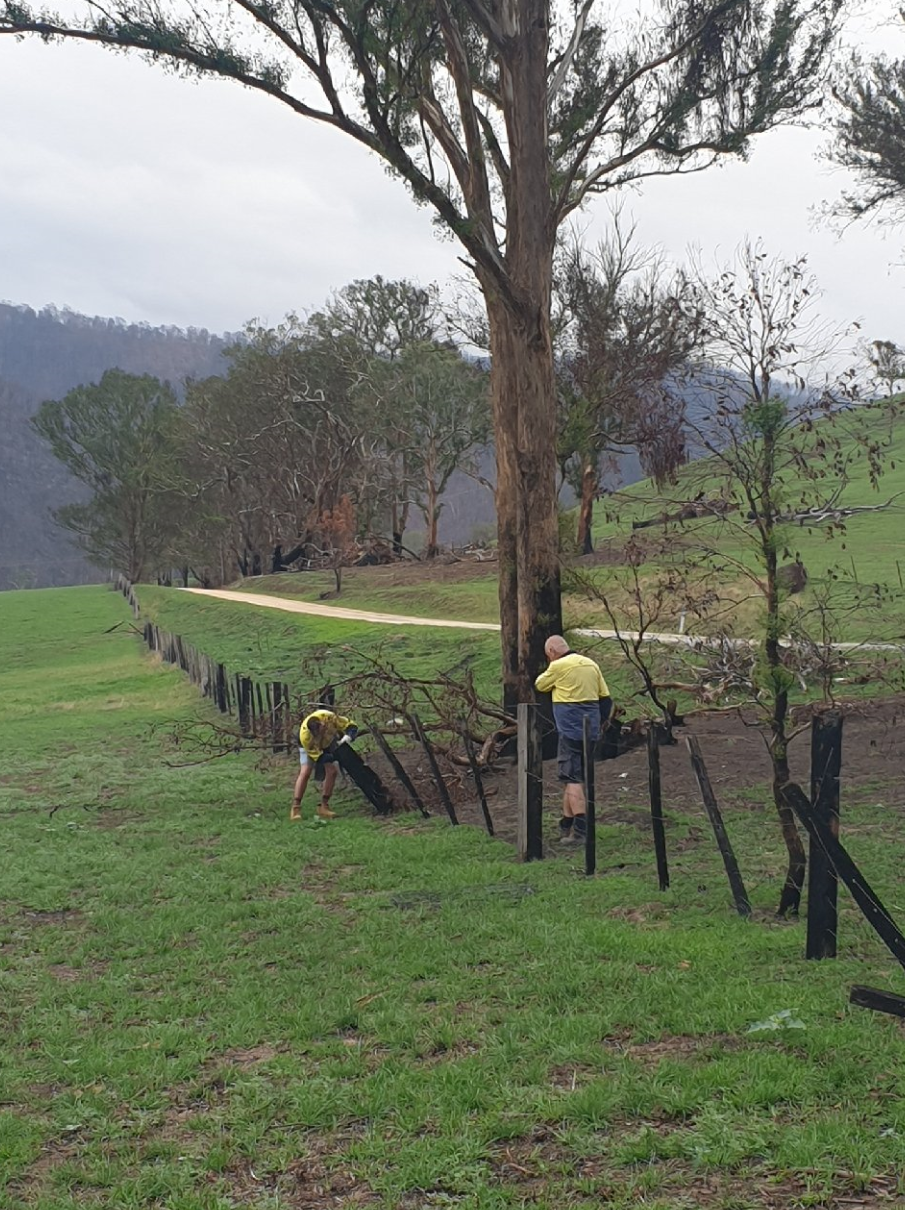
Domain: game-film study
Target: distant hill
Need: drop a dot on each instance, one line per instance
(44, 354)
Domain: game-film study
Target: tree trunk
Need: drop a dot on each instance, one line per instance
(432, 547)
(523, 398)
(586, 509)
(790, 896)
(522, 383)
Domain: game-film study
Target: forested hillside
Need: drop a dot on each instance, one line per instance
(43, 355)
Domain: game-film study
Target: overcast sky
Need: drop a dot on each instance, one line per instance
(125, 191)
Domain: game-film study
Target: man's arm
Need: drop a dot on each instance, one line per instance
(546, 681)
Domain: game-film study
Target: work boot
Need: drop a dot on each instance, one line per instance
(324, 812)
(296, 812)
(580, 829)
(565, 830)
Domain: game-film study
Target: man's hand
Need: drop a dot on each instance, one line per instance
(346, 739)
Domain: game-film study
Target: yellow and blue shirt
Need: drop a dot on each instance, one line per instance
(332, 726)
(577, 686)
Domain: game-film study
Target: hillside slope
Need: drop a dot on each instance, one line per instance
(43, 355)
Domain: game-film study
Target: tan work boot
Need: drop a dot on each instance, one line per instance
(296, 812)
(324, 812)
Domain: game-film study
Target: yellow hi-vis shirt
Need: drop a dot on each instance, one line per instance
(332, 726)
(573, 678)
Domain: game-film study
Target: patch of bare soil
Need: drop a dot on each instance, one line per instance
(873, 771)
(77, 974)
(541, 1169)
(118, 817)
(54, 1153)
(674, 1046)
(319, 1178)
(194, 1099)
(52, 915)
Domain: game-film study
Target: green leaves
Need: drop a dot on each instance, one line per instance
(118, 437)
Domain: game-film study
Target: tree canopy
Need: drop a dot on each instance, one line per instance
(504, 116)
(870, 137)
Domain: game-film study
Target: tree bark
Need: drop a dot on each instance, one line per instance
(432, 548)
(586, 509)
(523, 399)
(790, 896)
(522, 382)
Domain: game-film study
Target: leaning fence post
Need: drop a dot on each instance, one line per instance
(435, 768)
(530, 784)
(719, 829)
(656, 805)
(590, 843)
(862, 892)
(399, 770)
(476, 774)
(823, 885)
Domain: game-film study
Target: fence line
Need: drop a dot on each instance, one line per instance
(265, 710)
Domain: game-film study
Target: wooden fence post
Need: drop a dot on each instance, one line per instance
(823, 885)
(590, 794)
(275, 691)
(861, 890)
(530, 785)
(476, 774)
(399, 770)
(739, 893)
(435, 768)
(656, 805)
(262, 717)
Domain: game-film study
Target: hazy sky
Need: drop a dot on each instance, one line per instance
(126, 191)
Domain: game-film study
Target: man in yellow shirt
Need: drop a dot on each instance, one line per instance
(320, 733)
(579, 693)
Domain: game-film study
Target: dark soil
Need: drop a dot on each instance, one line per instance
(734, 749)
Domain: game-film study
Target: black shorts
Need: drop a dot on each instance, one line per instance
(570, 761)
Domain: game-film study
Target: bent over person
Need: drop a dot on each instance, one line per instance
(320, 734)
(579, 693)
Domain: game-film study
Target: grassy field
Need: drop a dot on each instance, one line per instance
(870, 551)
(204, 1008)
(308, 651)
(375, 589)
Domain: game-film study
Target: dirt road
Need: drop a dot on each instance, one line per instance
(288, 605)
(335, 611)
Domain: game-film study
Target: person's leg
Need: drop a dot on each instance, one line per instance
(323, 808)
(569, 759)
(578, 807)
(301, 784)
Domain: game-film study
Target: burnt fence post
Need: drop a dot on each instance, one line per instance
(530, 784)
(823, 884)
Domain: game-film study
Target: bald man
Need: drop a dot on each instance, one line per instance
(579, 693)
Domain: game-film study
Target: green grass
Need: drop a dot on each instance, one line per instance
(870, 552)
(308, 651)
(471, 600)
(204, 1007)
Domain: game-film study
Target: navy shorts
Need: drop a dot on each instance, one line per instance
(570, 761)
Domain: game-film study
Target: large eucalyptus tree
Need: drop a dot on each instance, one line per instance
(504, 116)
